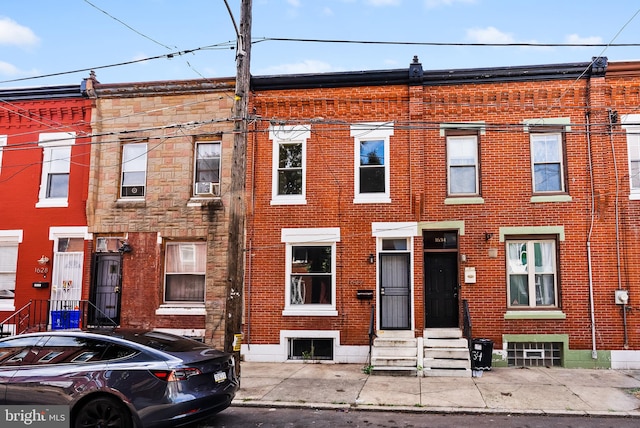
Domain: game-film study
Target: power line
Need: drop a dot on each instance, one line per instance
(382, 42)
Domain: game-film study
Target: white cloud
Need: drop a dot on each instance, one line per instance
(489, 35)
(578, 40)
(327, 11)
(430, 4)
(10, 70)
(378, 3)
(7, 69)
(294, 3)
(304, 67)
(12, 33)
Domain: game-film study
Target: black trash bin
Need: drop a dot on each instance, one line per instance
(481, 352)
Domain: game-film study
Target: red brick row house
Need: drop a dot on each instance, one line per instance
(44, 170)
(411, 206)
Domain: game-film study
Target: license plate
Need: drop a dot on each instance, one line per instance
(220, 377)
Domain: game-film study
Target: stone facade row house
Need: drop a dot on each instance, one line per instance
(394, 217)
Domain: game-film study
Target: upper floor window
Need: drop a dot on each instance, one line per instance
(134, 170)
(547, 162)
(372, 175)
(531, 273)
(463, 165)
(56, 163)
(289, 163)
(631, 124)
(310, 271)
(207, 168)
(185, 269)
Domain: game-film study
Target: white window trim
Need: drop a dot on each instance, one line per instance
(531, 276)
(12, 237)
(3, 143)
(146, 173)
(178, 307)
(328, 236)
(47, 142)
(195, 168)
(365, 132)
(562, 165)
(476, 166)
(631, 124)
(288, 134)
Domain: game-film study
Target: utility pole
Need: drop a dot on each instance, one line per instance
(237, 209)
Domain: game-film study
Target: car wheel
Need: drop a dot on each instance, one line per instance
(103, 412)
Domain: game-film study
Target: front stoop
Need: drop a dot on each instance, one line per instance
(395, 355)
(446, 353)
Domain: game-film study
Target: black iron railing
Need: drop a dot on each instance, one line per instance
(372, 329)
(43, 315)
(466, 321)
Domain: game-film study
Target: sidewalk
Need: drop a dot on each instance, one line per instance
(537, 390)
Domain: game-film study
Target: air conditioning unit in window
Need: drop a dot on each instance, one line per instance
(133, 191)
(207, 189)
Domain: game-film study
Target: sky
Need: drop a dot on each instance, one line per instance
(45, 42)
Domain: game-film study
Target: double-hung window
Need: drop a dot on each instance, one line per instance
(310, 271)
(631, 124)
(289, 163)
(532, 280)
(134, 170)
(371, 154)
(547, 162)
(463, 165)
(56, 166)
(207, 168)
(185, 269)
(9, 241)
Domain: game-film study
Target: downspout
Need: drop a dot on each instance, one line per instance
(594, 351)
(611, 115)
(251, 233)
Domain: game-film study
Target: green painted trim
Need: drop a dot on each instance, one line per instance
(532, 230)
(535, 315)
(551, 198)
(442, 225)
(464, 200)
(542, 121)
(581, 359)
(463, 125)
(577, 358)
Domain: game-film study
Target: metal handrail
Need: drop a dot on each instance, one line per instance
(37, 315)
(466, 322)
(372, 330)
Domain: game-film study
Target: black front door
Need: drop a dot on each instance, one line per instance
(395, 296)
(441, 289)
(105, 288)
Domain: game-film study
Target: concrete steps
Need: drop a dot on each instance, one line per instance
(446, 353)
(440, 352)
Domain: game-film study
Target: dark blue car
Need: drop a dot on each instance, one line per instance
(121, 378)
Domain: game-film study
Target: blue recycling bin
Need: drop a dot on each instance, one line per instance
(64, 320)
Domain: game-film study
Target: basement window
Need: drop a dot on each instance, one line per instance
(310, 349)
(534, 354)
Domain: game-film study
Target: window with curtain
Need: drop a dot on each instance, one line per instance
(311, 275)
(547, 155)
(531, 273)
(185, 269)
(462, 163)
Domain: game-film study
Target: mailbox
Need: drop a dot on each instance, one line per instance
(364, 294)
